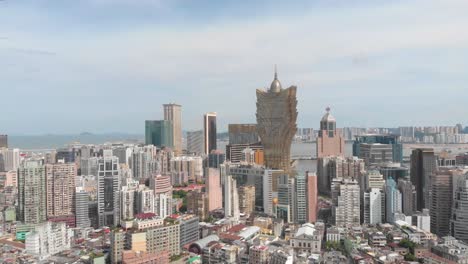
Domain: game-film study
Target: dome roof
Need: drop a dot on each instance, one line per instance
(275, 85)
(328, 117)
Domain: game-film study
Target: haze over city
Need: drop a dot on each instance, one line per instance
(106, 66)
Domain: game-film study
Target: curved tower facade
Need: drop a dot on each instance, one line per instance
(276, 123)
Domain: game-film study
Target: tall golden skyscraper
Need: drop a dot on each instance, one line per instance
(276, 123)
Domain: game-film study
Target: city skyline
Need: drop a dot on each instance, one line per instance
(369, 61)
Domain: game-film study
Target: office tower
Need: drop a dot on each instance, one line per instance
(108, 197)
(159, 133)
(373, 205)
(286, 206)
(213, 189)
(329, 168)
(276, 123)
(269, 189)
(392, 200)
(247, 199)
(329, 142)
(60, 189)
(10, 159)
(312, 197)
(243, 133)
(3, 141)
(216, 158)
(422, 167)
(66, 155)
(459, 219)
(234, 152)
(127, 203)
(209, 131)
(408, 196)
(81, 208)
(231, 199)
(441, 202)
(32, 204)
(161, 185)
(395, 171)
(195, 142)
(377, 149)
(346, 202)
(172, 113)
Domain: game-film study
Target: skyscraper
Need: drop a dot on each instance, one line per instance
(392, 200)
(163, 195)
(32, 206)
(172, 112)
(276, 123)
(231, 199)
(209, 128)
(312, 197)
(3, 141)
(459, 220)
(195, 143)
(423, 165)
(108, 195)
(81, 208)
(159, 133)
(286, 207)
(441, 202)
(329, 168)
(408, 196)
(329, 142)
(376, 149)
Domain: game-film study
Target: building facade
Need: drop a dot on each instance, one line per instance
(209, 128)
(276, 123)
(32, 200)
(329, 142)
(173, 113)
(159, 133)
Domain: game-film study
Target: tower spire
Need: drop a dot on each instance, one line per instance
(276, 73)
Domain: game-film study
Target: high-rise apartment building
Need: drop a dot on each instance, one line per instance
(209, 131)
(423, 166)
(286, 206)
(173, 113)
(373, 206)
(108, 195)
(195, 142)
(32, 201)
(161, 185)
(276, 123)
(159, 133)
(213, 189)
(346, 202)
(197, 204)
(269, 189)
(186, 169)
(329, 168)
(408, 196)
(10, 158)
(247, 199)
(60, 189)
(312, 197)
(231, 199)
(329, 142)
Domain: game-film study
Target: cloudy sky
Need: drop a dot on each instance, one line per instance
(107, 65)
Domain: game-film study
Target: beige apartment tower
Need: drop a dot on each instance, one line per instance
(276, 123)
(173, 113)
(329, 142)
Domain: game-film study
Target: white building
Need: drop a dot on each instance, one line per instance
(306, 240)
(11, 158)
(269, 193)
(231, 199)
(48, 239)
(373, 204)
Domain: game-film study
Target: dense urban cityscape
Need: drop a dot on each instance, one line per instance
(351, 195)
